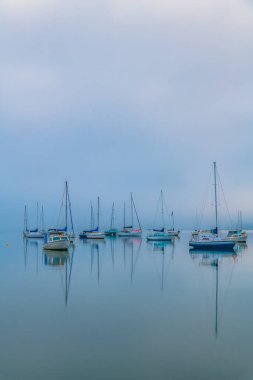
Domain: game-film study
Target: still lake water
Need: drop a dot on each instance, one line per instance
(124, 309)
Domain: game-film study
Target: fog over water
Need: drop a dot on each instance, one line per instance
(123, 96)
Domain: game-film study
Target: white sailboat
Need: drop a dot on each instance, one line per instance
(172, 231)
(56, 242)
(129, 231)
(57, 238)
(37, 233)
(66, 205)
(238, 234)
(212, 241)
(94, 233)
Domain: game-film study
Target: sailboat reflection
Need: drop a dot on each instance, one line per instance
(31, 246)
(112, 240)
(56, 259)
(162, 248)
(95, 253)
(213, 259)
(60, 260)
(132, 246)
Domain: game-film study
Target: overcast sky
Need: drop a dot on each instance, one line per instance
(125, 95)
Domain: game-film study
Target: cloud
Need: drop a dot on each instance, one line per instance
(138, 95)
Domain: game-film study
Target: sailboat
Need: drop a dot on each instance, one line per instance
(93, 233)
(36, 233)
(66, 204)
(83, 234)
(238, 234)
(172, 231)
(212, 241)
(57, 238)
(161, 234)
(129, 231)
(111, 231)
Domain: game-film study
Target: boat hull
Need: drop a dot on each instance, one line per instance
(57, 245)
(213, 245)
(173, 233)
(129, 234)
(34, 235)
(111, 233)
(160, 238)
(95, 235)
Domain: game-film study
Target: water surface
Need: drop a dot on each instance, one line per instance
(124, 309)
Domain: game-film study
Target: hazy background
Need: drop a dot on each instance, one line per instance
(126, 95)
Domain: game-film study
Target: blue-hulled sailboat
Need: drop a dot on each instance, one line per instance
(93, 233)
(212, 241)
(36, 233)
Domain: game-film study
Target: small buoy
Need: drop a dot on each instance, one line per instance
(7, 244)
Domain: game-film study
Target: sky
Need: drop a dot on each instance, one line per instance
(121, 96)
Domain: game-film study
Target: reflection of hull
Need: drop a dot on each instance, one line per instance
(159, 246)
(57, 245)
(55, 258)
(216, 253)
(213, 245)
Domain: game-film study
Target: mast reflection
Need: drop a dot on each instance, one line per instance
(162, 248)
(213, 259)
(58, 261)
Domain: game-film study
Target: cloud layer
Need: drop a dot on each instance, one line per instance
(122, 96)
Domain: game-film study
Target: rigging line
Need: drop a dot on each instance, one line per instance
(62, 204)
(166, 208)
(136, 214)
(205, 199)
(157, 208)
(230, 219)
(70, 212)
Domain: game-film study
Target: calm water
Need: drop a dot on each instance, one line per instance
(124, 309)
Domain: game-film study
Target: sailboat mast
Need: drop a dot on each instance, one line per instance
(37, 216)
(25, 220)
(98, 214)
(162, 209)
(124, 214)
(42, 218)
(215, 196)
(112, 217)
(91, 216)
(66, 205)
(132, 210)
